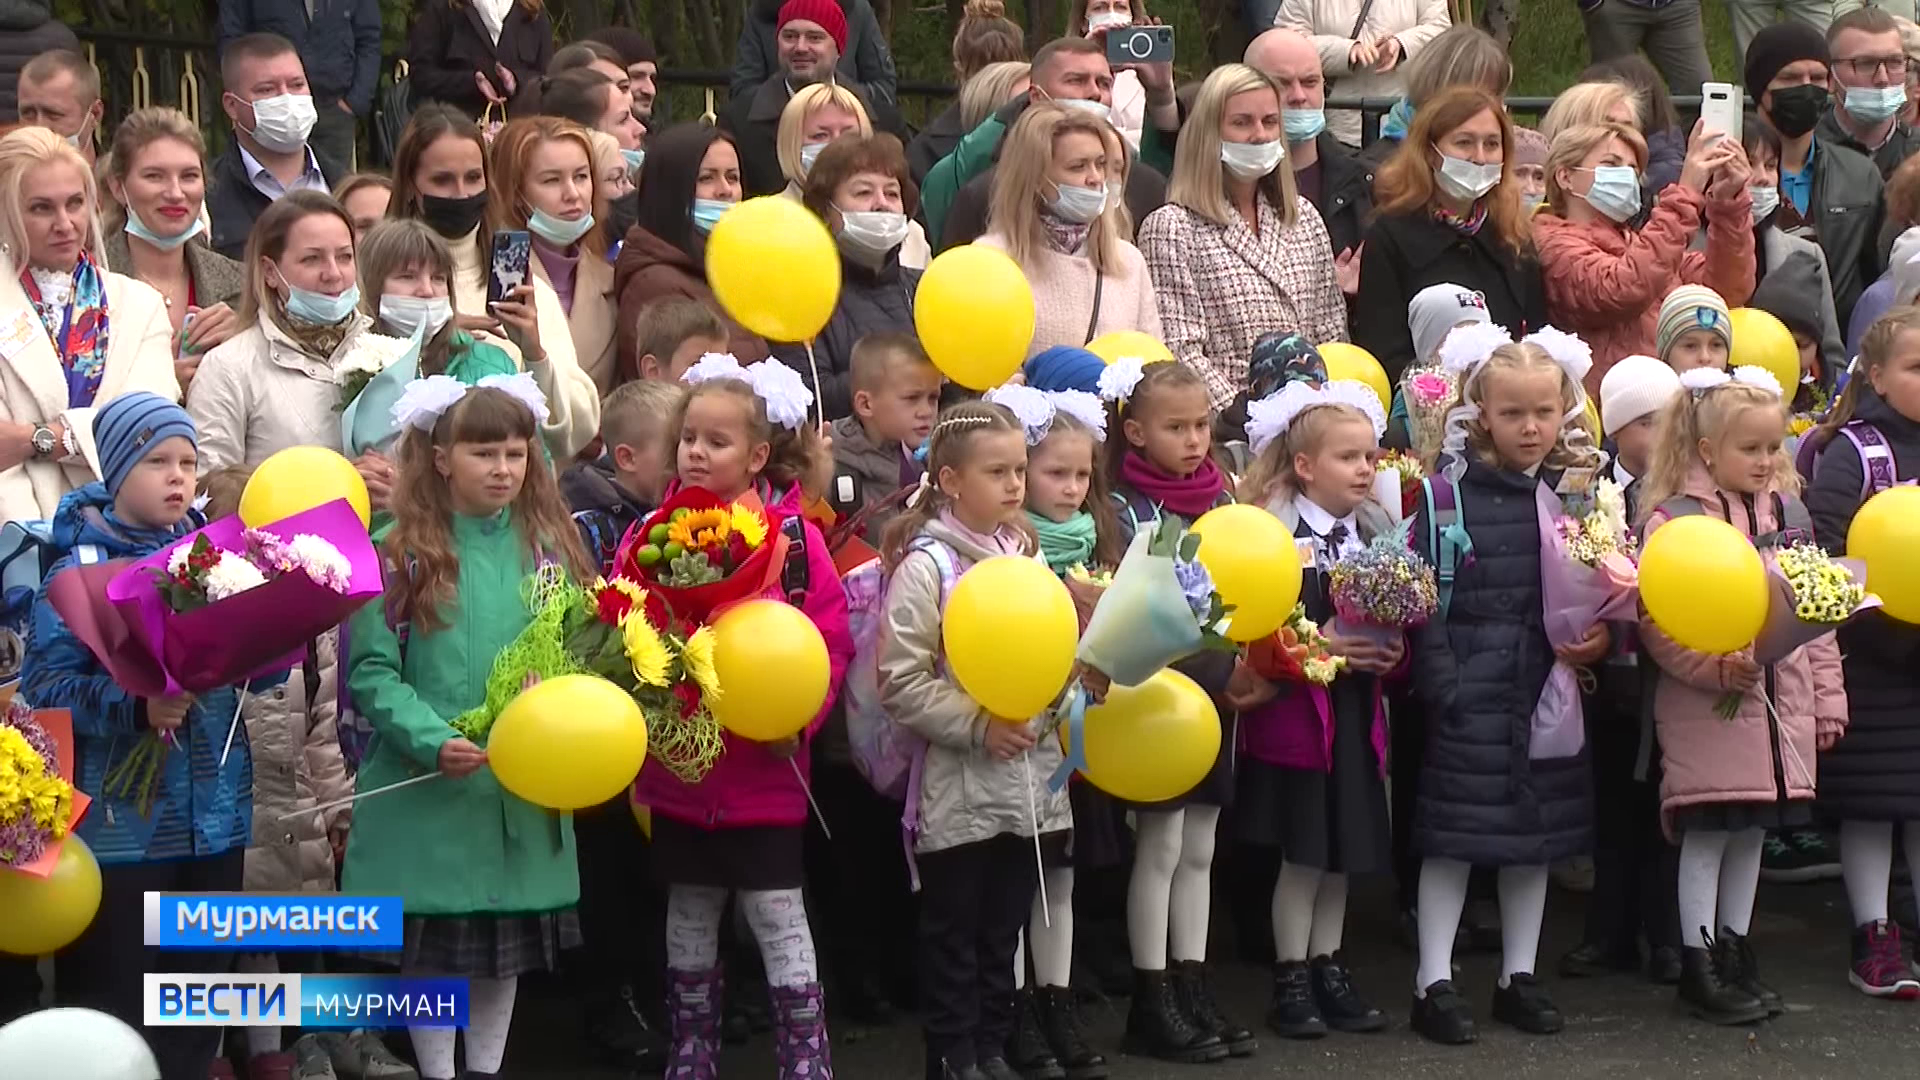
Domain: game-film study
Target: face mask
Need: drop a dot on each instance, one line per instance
(1303, 125)
(408, 314)
(1250, 161)
(1530, 201)
(79, 139)
(622, 213)
(282, 122)
(634, 159)
(1116, 192)
(1796, 109)
(1615, 191)
(1463, 179)
(1108, 19)
(1765, 201)
(453, 218)
(319, 309)
(558, 231)
(1077, 204)
(136, 227)
(869, 234)
(706, 212)
(1872, 104)
(809, 154)
(1097, 108)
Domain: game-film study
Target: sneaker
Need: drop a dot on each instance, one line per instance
(310, 1060)
(1797, 857)
(1443, 1016)
(1878, 968)
(1524, 1005)
(361, 1055)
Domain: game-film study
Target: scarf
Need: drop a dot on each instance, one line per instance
(318, 342)
(493, 15)
(73, 308)
(1004, 541)
(1064, 544)
(1065, 237)
(1188, 496)
(1398, 119)
(1468, 224)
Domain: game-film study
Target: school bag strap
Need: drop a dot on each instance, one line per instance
(1795, 522)
(949, 567)
(1447, 535)
(1877, 468)
(795, 575)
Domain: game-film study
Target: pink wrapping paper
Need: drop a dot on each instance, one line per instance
(1783, 632)
(1574, 597)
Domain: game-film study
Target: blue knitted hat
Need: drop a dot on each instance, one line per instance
(1065, 367)
(126, 427)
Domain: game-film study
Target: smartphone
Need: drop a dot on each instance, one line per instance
(1721, 106)
(507, 269)
(1140, 45)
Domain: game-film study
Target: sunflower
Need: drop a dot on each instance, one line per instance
(750, 525)
(645, 649)
(696, 658)
(700, 529)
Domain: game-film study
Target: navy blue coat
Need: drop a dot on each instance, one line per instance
(1478, 675)
(339, 43)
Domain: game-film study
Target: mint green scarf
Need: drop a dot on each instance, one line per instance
(1064, 543)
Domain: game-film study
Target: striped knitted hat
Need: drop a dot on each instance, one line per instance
(1692, 307)
(128, 426)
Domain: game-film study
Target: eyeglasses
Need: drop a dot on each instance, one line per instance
(1865, 67)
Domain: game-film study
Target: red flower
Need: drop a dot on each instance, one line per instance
(613, 605)
(688, 695)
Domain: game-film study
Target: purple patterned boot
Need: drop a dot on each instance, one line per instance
(693, 1008)
(800, 1033)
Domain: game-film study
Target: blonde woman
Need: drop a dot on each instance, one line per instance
(1587, 103)
(1053, 210)
(81, 335)
(815, 116)
(1237, 252)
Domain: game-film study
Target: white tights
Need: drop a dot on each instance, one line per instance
(1719, 875)
(1170, 895)
(1050, 929)
(489, 1016)
(1309, 912)
(1443, 896)
(777, 917)
(1866, 863)
(260, 1040)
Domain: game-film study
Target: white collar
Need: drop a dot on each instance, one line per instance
(255, 170)
(1322, 521)
(1620, 474)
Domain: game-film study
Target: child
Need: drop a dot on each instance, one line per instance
(1432, 314)
(1784, 297)
(1313, 781)
(488, 880)
(1725, 781)
(1278, 358)
(896, 392)
(1630, 403)
(1695, 329)
(194, 836)
(1161, 464)
(673, 332)
(614, 491)
(1866, 780)
(975, 848)
(740, 827)
(1479, 666)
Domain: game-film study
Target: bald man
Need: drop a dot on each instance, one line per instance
(1331, 176)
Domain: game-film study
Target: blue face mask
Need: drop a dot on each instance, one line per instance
(634, 158)
(319, 309)
(706, 212)
(136, 227)
(558, 231)
(809, 154)
(1615, 191)
(1872, 104)
(1303, 125)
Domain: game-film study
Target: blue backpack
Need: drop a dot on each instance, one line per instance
(1446, 536)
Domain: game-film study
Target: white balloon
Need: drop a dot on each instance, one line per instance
(75, 1044)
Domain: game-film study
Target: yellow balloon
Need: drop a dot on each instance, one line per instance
(773, 670)
(1152, 742)
(570, 742)
(1885, 534)
(974, 313)
(1119, 343)
(1762, 340)
(1351, 362)
(300, 478)
(1704, 584)
(774, 267)
(1010, 629)
(47, 913)
(1255, 567)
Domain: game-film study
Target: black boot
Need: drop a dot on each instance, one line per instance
(1027, 1049)
(1524, 1005)
(1294, 1013)
(1060, 1022)
(1738, 967)
(1343, 1009)
(1443, 1016)
(1710, 999)
(621, 1030)
(1196, 997)
(1157, 1027)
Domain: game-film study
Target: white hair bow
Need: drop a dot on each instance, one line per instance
(780, 388)
(1269, 417)
(424, 401)
(1118, 378)
(1035, 409)
(1700, 380)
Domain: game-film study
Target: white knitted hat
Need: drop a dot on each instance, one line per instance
(1634, 387)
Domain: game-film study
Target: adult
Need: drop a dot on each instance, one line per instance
(617, 117)
(1750, 18)
(1449, 213)
(1068, 70)
(84, 336)
(1659, 122)
(985, 38)
(270, 106)
(861, 57)
(1462, 56)
(1670, 31)
(156, 174)
(1828, 193)
(1530, 167)
(594, 56)
(1365, 46)
(590, 99)
(339, 45)
(860, 187)
(613, 185)
(1790, 264)
(643, 67)
(60, 91)
(544, 183)
(27, 29)
(1870, 67)
(1325, 171)
(1589, 104)
(365, 197)
(1094, 20)
(1237, 253)
(692, 177)
(480, 56)
(441, 177)
(814, 116)
(980, 97)
(1606, 278)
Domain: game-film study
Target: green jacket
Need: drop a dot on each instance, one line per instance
(444, 846)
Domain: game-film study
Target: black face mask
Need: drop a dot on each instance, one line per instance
(1796, 109)
(622, 213)
(453, 218)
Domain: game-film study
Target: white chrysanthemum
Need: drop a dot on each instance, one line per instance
(521, 387)
(320, 560)
(1574, 356)
(1083, 407)
(1360, 396)
(1118, 379)
(782, 391)
(1269, 417)
(1752, 375)
(177, 558)
(1467, 347)
(1031, 407)
(231, 576)
(712, 365)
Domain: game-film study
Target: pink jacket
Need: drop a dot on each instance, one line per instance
(1605, 282)
(1710, 760)
(749, 785)
(1295, 730)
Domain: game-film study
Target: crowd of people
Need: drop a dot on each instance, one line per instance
(178, 320)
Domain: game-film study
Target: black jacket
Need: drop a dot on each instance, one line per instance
(1869, 774)
(1847, 207)
(1478, 674)
(865, 61)
(1346, 193)
(934, 142)
(447, 44)
(1409, 252)
(1901, 142)
(603, 511)
(234, 204)
(967, 217)
(26, 31)
(871, 302)
(339, 43)
(753, 119)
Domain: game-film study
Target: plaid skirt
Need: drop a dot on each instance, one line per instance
(485, 946)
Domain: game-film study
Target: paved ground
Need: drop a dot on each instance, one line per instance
(1618, 1027)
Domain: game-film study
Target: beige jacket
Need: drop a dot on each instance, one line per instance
(966, 795)
(258, 393)
(296, 765)
(592, 318)
(1329, 24)
(33, 385)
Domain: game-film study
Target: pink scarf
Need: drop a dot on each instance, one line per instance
(1188, 496)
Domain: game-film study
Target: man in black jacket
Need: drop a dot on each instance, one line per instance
(1330, 176)
(339, 45)
(1869, 70)
(862, 58)
(271, 108)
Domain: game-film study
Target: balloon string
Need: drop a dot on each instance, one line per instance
(1033, 819)
(358, 797)
(819, 395)
(817, 815)
(233, 726)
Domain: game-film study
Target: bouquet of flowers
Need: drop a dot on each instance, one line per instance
(1087, 587)
(370, 355)
(372, 377)
(1587, 575)
(1384, 588)
(1297, 652)
(1428, 393)
(38, 802)
(199, 574)
(1396, 483)
(1810, 594)
(1161, 606)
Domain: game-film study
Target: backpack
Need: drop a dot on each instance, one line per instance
(1790, 512)
(27, 553)
(1877, 468)
(1447, 537)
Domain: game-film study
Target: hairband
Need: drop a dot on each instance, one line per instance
(780, 388)
(1700, 380)
(424, 401)
(1269, 417)
(1035, 409)
(1118, 378)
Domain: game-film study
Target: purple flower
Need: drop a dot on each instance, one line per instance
(1196, 585)
(21, 842)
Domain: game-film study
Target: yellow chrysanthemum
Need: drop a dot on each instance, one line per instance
(626, 587)
(696, 657)
(645, 650)
(700, 529)
(751, 526)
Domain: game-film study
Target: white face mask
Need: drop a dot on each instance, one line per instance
(1097, 108)
(1106, 20)
(408, 314)
(282, 123)
(809, 154)
(1250, 161)
(1077, 204)
(1765, 201)
(870, 234)
(1463, 179)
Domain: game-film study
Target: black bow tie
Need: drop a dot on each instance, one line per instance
(1335, 537)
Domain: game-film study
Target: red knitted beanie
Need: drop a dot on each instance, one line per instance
(827, 13)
